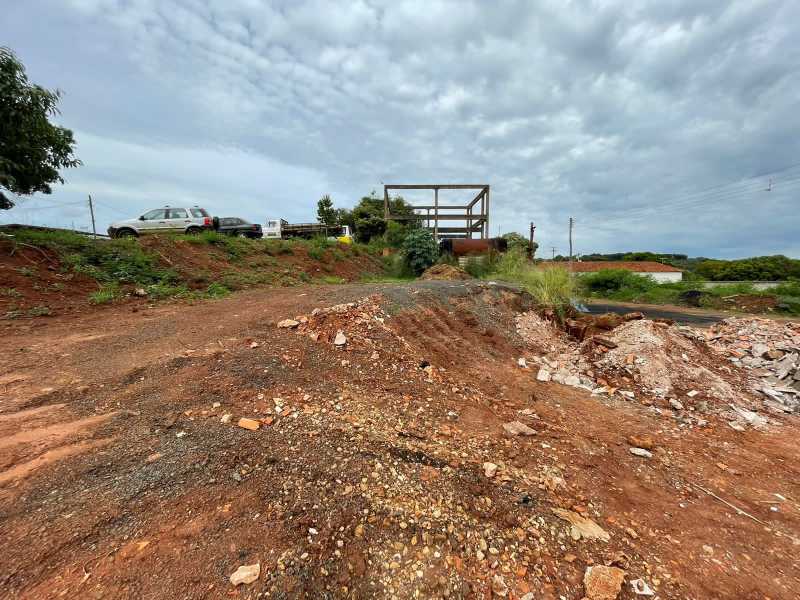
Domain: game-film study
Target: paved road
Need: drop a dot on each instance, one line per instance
(684, 316)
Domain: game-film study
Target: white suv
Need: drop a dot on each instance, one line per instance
(169, 219)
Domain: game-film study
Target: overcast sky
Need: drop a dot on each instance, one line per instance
(656, 125)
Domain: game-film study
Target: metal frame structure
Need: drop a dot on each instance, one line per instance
(474, 222)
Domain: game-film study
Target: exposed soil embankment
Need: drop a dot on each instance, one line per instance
(367, 441)
(47, 273)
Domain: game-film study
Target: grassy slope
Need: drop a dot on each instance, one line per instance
(203, 266)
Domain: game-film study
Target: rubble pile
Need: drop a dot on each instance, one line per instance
(444, 272)
(769, 351)
(339, 324)
(657, 363)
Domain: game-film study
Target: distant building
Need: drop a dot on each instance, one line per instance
(657, 271)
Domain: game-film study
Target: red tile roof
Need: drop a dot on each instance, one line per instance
(591, 266)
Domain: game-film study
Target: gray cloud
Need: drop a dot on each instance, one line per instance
(616, 113)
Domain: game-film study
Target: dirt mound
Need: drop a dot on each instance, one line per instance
(445, 273)
(658, 364)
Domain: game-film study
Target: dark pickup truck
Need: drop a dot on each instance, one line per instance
(238, 227)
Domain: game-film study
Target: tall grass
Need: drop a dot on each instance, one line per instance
(552, 287)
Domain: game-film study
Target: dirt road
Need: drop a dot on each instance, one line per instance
(122, 477)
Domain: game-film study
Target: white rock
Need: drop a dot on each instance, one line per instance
(499, 586)
(226, 418)
(288, 324)
(246, 574)
(572, 380)
(641, 452)
(489, 469)
(340, 339)
(543, 375)
(675, 404)
(692, 394)
(522, 362)
(517, 428)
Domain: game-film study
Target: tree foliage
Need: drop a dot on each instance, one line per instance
(32, 149)
(325, 212)
(517, 240)
(368, 216)
(420, 250)
(758, 268)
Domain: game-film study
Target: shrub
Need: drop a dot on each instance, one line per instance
(217, 290)
(105, 295)
(420, 250)
(609, 281)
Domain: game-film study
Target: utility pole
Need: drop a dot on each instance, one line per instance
(553, 248)
(533, 228)
(91, 210)
(571, 224)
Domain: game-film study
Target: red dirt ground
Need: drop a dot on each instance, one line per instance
(118, 479)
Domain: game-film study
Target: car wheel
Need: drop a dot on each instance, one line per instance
(242, 234)
(193, 231)
(126, 233)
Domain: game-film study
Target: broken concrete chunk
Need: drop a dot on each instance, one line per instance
(250, 424)
(543, 375)
(641, 452)
(517, 428)
(675, 404)
(582, 527)
(641, 441)
(522, 362)
(489, 469)
(246, 574)
(603, 583)
(288, 324)
(499, 586)
(640, 588)
(340, 339)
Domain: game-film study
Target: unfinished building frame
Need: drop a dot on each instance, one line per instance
(473, 220)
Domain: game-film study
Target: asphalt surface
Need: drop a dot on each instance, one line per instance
(698, 318)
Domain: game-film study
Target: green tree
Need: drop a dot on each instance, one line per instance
(517, 240)
(368, 216)
(32, 149)
(325, 211)
(420, 250)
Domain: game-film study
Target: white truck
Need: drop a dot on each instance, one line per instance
(278, 229)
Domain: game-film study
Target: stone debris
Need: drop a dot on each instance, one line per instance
(690, 371)
(641, 441)
(517, 428)
(340, 339)
(489, 469)
(245, 574)
(250, 424)
(499, 586)
(641, 452)
(770, 351)
(582, 527)
(288, 324)
(603, 583)
(640, 588)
